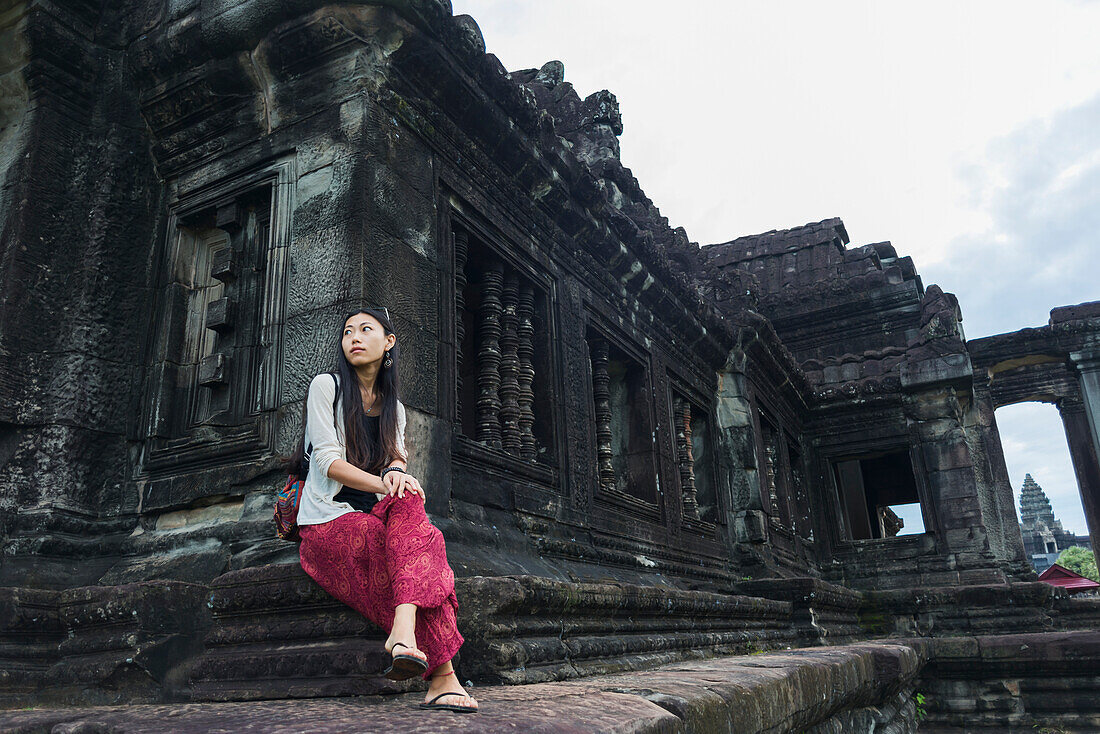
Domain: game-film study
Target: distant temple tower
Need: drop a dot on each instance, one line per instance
(1044, 537)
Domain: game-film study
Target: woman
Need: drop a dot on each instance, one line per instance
(369, 542)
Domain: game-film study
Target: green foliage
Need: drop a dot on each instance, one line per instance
(1080, 561)
(919, 700)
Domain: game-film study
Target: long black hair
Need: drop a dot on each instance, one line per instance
(370, 456)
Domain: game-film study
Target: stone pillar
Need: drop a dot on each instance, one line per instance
(509, 366)
(738, 477)
(995, 474)
(525, 351)
(685, 459)
(1080, 437)
(1087, 363)
(461, 250)
(939, 407)
(488, 357)
(601, 398)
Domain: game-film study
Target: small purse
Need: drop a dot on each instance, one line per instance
(290, 496)
(286, 509)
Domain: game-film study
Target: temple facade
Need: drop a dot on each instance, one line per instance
(194, 192)
(1044, 537)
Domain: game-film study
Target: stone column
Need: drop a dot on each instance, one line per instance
(995, 475)
(937, 429)
(1087, 364)
(488, 357)
(525, 352)
(509, 366)
(685, 460)
(598, 348)
(461, 250)
(1080, 437)
(738, 478)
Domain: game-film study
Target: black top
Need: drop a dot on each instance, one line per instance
(357, 498)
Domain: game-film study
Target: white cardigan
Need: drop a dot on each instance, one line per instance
(326, 432)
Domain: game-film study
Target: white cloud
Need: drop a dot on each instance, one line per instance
(1037, 189)
(742, 117)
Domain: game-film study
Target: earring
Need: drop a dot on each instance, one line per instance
(389, 360)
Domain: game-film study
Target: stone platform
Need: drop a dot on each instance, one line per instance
(859, 687)
(271, 633)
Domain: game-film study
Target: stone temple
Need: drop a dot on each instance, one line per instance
(1043, 534)
(642, 452)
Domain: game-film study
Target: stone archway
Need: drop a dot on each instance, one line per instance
(1058, 363)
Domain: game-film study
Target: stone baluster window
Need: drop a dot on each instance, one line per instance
(601, 397)
(693, 458)
(803, 522)
(503, 367)
(624, 435)
(775, 475)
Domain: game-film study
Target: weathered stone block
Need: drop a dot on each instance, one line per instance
(325, 268)
(750, 526)
(948, 368)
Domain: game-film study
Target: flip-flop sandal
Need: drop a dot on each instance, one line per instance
(449, 706)
(405, 666)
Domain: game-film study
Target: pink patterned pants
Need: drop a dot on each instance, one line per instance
(373, 561)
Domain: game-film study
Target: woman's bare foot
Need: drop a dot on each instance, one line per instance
(404, 629)
(444, 691)
(408, 661)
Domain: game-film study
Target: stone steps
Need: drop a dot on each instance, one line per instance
(270, 632)
(818, 690)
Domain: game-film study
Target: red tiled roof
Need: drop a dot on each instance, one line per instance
(1060, 576)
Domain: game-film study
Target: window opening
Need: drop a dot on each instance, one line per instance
(624, 436)
(694, 461)
(503, 359)
(871, 487)
(776, 478)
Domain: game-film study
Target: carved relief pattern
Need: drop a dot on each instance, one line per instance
(580, 456)
(461, 247)
(771, 463)
(685, 459)
(525, 349)
(488, 357)
(602, 399)
(509, 366)
(800, 524)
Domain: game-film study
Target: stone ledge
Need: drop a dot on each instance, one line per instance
(1039, 654)
(807, 690)
(276, 634)
(1047, 681)
(97, 644)
(1021, 607)
(822, 611)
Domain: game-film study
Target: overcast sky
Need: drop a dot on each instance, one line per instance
(968, 134)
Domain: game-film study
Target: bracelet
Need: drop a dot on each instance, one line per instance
(389, 469)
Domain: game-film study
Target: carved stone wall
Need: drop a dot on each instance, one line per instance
(195, 193)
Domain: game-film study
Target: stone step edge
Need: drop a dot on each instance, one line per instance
(775, 692)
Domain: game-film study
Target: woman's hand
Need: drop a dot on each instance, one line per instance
(398, 483)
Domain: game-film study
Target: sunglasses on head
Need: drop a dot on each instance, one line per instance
(383, 309)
